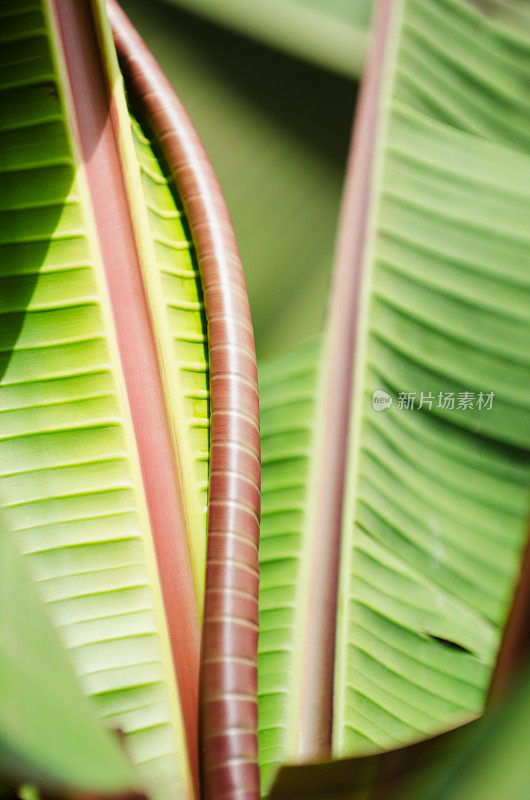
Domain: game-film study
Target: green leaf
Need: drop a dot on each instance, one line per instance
(288, 406)
(331, 35)
(280, 165)
(436, 499)
(72, 485)
(174, 285)
(49, 734)
(491, 759)
(487, 759)
(371, 777)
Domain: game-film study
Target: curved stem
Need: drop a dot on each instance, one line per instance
(230, 627)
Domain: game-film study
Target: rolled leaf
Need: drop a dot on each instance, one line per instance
(263, 145)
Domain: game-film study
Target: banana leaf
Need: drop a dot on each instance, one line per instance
(49, 733)
(332, 34)
(477, 759)
(491, 760)
(487, 759)
(427, 506)
(514, 651)
(289, 388)
(119, 322)
(385, 776)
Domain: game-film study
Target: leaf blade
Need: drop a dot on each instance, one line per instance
(73, 457)
(178, 312)
(289, 396)
(433, 340)
(49, 734)
(431, 246)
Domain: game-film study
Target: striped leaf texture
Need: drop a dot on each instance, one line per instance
(178, 310)
(49, 734)
(289, 390)
(430, 306)
(486, 758)
(437, 498)
(388, 774)
(82, 494)
(490, 758)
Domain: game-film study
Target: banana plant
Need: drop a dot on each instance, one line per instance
(395, 494)
(396, 453)
(128, 399)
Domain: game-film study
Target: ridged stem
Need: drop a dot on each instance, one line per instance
(230, 629)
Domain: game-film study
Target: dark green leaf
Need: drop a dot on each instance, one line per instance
(331, 34)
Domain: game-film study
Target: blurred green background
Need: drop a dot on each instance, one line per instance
(276, 128)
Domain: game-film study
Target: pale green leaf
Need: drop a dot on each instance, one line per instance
(173, 281)
(49, 734)
(437, 498)
(70, 480)
(288, 399)
(486, 759)
(490, 760)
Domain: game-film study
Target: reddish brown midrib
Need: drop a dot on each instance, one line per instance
(316, 712)
(229, 653)
(100, 152)
(515, 645)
